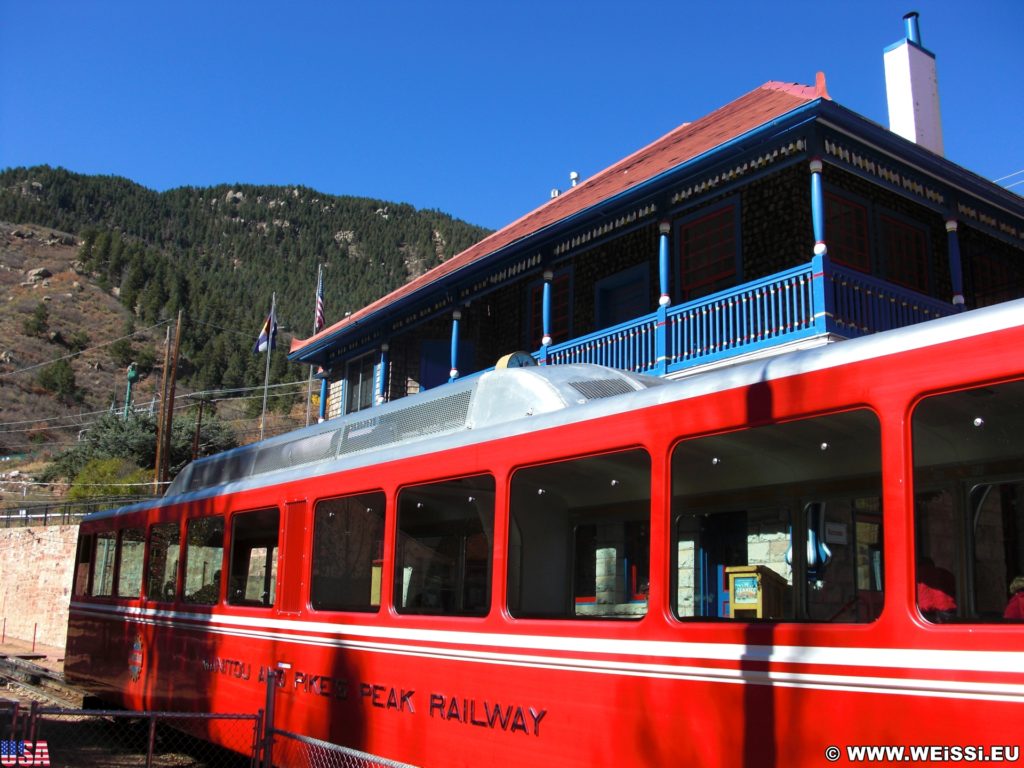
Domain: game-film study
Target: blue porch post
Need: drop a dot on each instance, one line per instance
(955, 269)
(324, 388)
(453, 374)
(664, 228)
(820, 265)
(382, 376)
(545, 316)
(664, 299)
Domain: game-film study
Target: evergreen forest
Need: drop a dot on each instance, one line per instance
(219, 253)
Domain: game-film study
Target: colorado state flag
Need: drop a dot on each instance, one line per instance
(268, 334)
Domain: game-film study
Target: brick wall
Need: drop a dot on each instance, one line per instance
(35, 581)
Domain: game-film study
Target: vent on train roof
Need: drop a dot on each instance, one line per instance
(488, 400)
(442, 415)
(595, 389)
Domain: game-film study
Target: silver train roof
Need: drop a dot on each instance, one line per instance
(503, 403)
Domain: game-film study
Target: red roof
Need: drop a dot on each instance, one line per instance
(686, 142)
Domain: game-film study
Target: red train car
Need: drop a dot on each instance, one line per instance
(777, 563)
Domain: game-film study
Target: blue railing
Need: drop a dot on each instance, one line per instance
(863, 304)
(629, 346)
(810, 300)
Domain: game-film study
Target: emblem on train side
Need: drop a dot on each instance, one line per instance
(136, 658)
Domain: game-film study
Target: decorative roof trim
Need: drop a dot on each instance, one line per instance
(887, 173)
(601, 230)
(709, 183)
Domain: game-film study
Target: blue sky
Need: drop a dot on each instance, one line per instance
(474, 108)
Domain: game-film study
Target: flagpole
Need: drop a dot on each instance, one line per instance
(309, 384)
(270, 345)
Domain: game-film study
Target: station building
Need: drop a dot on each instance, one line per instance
(780, 220)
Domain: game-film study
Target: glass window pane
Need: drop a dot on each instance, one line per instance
(82, 562)
(741, 499)
(204, 558)
(163, 561)
(348, 547)
(445, 532)
(103, 572)
(252, 576)
(579, 540)
(969, 504)
(129, 574)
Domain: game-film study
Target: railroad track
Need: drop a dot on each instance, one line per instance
(29, 681)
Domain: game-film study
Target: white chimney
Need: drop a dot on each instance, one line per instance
(912, 89)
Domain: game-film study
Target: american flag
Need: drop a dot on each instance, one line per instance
(318, 314)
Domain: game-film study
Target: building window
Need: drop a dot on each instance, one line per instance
(359, 382)
(443, 557)
(623, 296)
(579, 538)
(560, 310)
(904, 252)
(846, 233)
(708, 253)
(348, 551)
(204, 558)
(252, 577)
(991, 280)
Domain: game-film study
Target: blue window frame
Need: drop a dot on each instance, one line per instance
(622, 296)
(708, 245)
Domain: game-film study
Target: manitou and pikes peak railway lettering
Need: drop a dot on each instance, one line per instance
(483, 713)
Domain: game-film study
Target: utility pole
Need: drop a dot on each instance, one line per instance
(169, 419)
(160, 419)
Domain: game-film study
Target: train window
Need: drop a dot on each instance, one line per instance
(204, 558)
(129, 570)
(252, 577)
(579, 538)
(740, 500)
(162, 577)
(83, 560)
(103, 564)
(443, 559)
(348, 547)
(969, 504)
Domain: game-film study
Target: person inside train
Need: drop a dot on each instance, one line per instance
(1015, 607)
(936, 591)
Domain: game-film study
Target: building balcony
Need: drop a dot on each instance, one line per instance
(814, 301)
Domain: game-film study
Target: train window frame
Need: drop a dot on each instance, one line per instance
(430, 519)
(104, 585)
(166, 589)
(594, 512)
(775, 499)
(254, 529)
(209, 590)
(83, 566)
(966, 564)
(138, 558)
(369, 553)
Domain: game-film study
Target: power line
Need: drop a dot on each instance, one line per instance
(81, 352)
(1009, 175)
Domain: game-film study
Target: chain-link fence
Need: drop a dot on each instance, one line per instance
(291, 749)
(72, 738)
